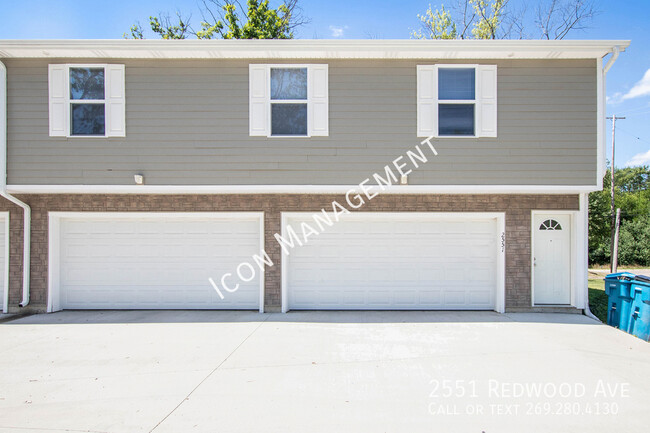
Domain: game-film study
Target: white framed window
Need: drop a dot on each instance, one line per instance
(288, 100)
(457, 100)
(87, 100)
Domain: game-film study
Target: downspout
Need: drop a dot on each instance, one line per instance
(610, 62)
(584, 199)
(584, 204)
(27, 212)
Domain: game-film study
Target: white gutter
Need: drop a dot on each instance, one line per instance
(610, 62)
(309, 49)
(27, 212)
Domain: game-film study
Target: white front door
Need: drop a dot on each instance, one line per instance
(552, 259)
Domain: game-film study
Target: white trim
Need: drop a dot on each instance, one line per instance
(574, 272)
(297, 189)
(5, 277)
(69, 102)
(269, 101)
(53, 263)
(600, 123)
(310, 49)
(582, 253)
(502, 246)
(500, 218)
(54, 238)
(474, 102)
(283, 269)
(263, 272)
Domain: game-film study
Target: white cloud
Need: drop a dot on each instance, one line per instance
(338, 31)
(639, 159)
(616, 98)
(642, 88)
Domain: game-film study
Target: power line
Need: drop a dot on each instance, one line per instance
(632, 134)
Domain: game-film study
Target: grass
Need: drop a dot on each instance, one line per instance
(598, 299)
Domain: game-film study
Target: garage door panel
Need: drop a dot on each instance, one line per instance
(154, 262)
(380, 261)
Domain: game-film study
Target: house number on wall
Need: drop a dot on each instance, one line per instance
(503, 241)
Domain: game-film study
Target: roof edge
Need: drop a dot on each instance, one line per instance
(309, 48)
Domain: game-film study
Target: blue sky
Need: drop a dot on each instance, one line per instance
(628, 83)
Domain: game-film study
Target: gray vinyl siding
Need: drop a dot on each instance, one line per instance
(187, 124)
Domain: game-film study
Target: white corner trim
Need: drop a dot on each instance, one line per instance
(600, 123)
(7, 250)
(582, 253)
(297, 189)
(53, 263)
(262, 253)
(502, 246)
(284, 291)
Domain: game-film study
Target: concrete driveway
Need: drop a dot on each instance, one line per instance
(179, 371)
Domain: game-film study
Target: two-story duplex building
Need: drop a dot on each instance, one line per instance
(299, 174)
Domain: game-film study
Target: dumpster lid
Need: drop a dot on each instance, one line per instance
(621, 276)
(644, 278)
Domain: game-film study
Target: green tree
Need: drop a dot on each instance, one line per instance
(634, 242)
(498, 19)
(229, 19)
(632, 196)
(437, 25)
(262, 22)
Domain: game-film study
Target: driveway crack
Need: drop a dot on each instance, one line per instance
(211, 373)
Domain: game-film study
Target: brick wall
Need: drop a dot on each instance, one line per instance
(517, 207)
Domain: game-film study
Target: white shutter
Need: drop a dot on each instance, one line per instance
(115, 101)
(258, 100)
(319, 100)
(487, 101)
(427, 100)
(58, 91)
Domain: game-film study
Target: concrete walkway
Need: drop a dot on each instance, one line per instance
(180, 371)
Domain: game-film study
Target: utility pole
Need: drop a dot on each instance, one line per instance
(615, 253)
(612, 208)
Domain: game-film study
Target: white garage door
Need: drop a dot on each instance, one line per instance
(395, 261)
(154, 261)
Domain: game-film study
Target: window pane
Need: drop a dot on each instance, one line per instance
(86, 83)
(456, 83)
(456, 119)
(288, 119)
(288, 83)
(87, 119)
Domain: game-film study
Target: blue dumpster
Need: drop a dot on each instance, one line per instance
(618, 289)
(640, 309)
(645, 296)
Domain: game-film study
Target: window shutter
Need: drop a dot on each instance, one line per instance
(115, 101)
(258, 104)
(427, 100)
(487, 101)
(58, 92)
(319, 106)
